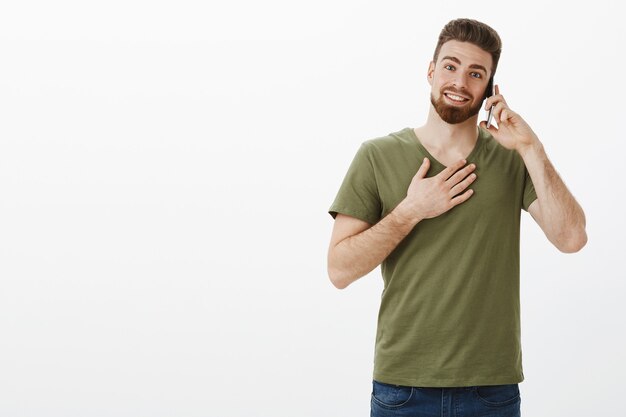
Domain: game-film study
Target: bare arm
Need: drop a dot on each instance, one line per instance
(556, 211)
(357, 247)
(356, 255)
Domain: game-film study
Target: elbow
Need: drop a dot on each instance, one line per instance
(340, 271)
(574, 243)
(337, 278)
(338, 275)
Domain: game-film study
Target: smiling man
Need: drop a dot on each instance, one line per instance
(438, 207)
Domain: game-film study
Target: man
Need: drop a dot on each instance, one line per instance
(439, 206)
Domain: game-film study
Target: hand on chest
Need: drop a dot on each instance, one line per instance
(498, 185)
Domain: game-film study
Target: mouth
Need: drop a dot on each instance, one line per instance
(455, 98)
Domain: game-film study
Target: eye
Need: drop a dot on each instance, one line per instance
(449, 67)
(477, 75)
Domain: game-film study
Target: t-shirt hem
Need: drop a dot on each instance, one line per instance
(447, 382)
(532, 200)
(351, 212)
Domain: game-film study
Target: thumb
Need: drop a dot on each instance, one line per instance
(492, 129)
(421, 172)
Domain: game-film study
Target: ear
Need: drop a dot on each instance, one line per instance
(431, 72)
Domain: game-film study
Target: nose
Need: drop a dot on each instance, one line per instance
(459, 81)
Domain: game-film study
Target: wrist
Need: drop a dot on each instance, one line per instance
(406, 214)
(534, 146)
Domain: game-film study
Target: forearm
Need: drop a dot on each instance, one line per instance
(562, 217)
(358, 255)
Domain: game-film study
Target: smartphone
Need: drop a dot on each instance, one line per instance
(488, 93)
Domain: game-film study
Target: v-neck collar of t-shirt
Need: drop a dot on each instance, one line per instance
(470, 157)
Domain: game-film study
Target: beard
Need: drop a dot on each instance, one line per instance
(451, 114)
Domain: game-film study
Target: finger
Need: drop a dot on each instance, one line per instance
(492, 128)
(493, 100)
(506, 115)
(461, 198)
(463, 184)
(497, 110)
(423, 169)
(460, 175)
(497, 91)
(447, 173)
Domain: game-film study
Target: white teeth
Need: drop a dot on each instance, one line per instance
(456, 98)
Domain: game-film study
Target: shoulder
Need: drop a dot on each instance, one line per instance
(391, 143)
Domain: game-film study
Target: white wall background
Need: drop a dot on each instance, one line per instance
(165, 174)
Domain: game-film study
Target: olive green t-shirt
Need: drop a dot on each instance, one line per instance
(450, 308)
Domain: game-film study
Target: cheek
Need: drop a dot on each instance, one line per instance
(439, 82)
(444, 80)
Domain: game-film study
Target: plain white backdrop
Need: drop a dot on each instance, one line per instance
(165, 174)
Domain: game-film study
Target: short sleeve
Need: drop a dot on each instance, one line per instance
(529, 191)
(358, 194)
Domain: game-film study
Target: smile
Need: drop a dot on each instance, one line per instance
(456, 98)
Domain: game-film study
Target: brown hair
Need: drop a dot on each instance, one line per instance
(475, 32)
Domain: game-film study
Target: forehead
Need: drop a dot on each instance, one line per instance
(466, 52)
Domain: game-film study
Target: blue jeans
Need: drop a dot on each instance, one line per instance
(473, 401)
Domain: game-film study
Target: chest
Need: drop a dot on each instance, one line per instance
(499, 184)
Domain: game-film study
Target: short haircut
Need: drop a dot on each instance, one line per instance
(475, 32)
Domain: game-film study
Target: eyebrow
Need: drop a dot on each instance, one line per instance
(458, 61)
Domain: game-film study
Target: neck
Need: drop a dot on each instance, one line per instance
(438, 134)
